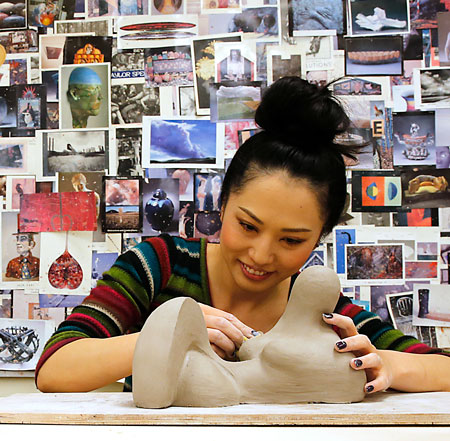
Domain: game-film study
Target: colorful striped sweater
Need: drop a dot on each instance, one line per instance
(165, 267)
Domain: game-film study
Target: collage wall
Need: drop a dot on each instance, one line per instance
(118, 119)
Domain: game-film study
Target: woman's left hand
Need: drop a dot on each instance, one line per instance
(379, 373)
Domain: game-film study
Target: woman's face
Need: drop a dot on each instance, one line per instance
(269, 229)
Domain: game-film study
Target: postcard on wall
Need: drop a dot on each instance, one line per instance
(376, 190)
(66, 267)
(121, 209)
(15, 15)
(234, 101)
(378, 17)
(99, 26)
(380, 263)
(186, 143)
(431, 90)
(23, 342)
(419, 270)
(235, 61)
(43, 13)
(127, 63)
(67, 211)
(281, 62)
(85, 96)
(20, 254)
(317, 17)
(261, 23)
(374, 56)
(431, 306)
(161, 202)
(203, 58)
(167, 7)
(87, 49)
(169, 66)
(16, 187)
(217, 7)
(75, 151)
(443, 19)
(101, 8)
(414, 139)
(13, 155)
(316, 51)
(148, 31)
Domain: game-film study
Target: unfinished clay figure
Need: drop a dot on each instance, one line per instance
(294, 362)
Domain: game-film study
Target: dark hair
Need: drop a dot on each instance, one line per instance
(299, 121)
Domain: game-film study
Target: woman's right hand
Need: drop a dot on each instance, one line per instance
(226, 333)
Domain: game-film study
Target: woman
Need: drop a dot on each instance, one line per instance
(283, 190)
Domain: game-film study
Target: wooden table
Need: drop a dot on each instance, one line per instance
(117, 409)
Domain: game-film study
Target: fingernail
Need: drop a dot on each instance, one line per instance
(369, 389)
(256, 333)
(328, 316)
(358, 362)
(341, 344)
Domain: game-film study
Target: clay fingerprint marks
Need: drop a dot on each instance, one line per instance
(65, 272)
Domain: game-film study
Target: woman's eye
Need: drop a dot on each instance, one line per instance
(247, 227)
(291, 241)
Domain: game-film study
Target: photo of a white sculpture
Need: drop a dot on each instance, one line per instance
(294, 362)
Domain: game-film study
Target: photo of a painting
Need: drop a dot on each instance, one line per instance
(189, 143)
(374, 262)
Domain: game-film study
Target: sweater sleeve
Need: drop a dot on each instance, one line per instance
(121, 301)
(382, 334)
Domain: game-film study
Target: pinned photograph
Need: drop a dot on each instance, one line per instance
(13, 15)
(283, 62)
(101, 262)
(66, 267)
(20, 254)
(443, 19)
(432, 88)
(75, 151)
(431, 306)
(20, 41)
(128, 146)
(417, 217)
(357, 87)
(426, 187)
(442, 157)
(235, 62)
(99, 26)
(121, 208)
(317, 51)
(186, 101)
(8, 107)
(149, 31)
(316, 16)
(421, 270)
(51, 55)
(127, 63)
(84, 96)
(373, 17)
(257, 23)
(186, 222)
(13, 155)
(130, 102)
(161, 202)
(187, 143)
(207, 224)
(114, 8)
(219, 6)
(373, 56)
(375, 262)
(165, 7)
(43, 13)
(375, 191)
(87, 50)
(207, 191)
(50, 81)
(342, 237)
(23, 342)
(66, 211)
(31, 100)
(234, 101)
(6, 303)
(168, 66)
(414, 139)
(16, 187)
(203, 50)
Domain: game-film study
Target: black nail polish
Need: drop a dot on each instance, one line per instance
(369, 389)
(358, 362)
(328, 316)
(341, 344)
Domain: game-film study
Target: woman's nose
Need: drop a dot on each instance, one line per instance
(261, 252)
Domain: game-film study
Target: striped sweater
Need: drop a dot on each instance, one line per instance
(165, 267)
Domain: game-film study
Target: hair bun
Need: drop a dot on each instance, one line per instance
(294, 111)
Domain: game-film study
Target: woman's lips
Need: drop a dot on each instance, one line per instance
(253, 274)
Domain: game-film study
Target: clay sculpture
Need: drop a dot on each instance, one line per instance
(294, 362)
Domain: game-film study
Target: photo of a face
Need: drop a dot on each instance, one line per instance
(84, 96)
(442, 157)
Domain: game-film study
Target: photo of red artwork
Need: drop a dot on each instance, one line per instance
(69, 211)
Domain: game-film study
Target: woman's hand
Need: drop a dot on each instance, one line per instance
(226, 333)
(379, 373)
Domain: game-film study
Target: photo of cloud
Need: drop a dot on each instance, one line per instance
(179, 141)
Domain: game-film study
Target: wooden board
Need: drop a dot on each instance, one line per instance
(385, 409)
